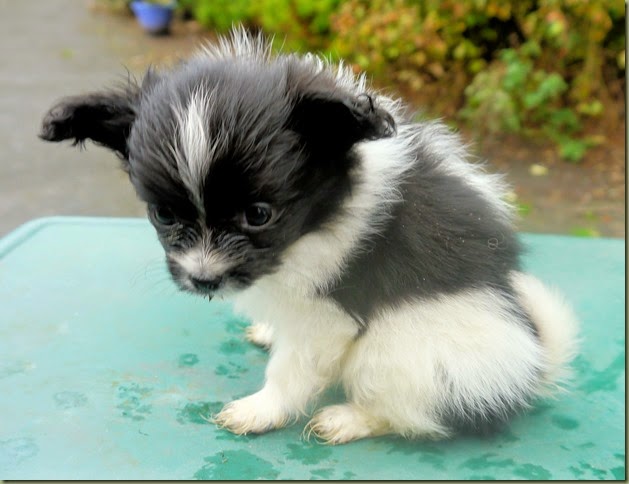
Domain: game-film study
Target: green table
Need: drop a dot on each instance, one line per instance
(106, 372)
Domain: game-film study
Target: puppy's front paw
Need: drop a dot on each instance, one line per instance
(254, 414)
(260, 334)
(339, 424)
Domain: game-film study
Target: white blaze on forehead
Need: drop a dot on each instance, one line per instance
(193, 148)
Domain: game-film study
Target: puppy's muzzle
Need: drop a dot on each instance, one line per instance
(206, 285)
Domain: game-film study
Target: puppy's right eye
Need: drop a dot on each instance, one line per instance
(257, 215)
(164, 216)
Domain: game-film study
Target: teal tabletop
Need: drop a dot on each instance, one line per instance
(108, 372)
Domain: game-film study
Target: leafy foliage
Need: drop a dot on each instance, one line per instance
(219, 14)
(300, 24)
(540, 68)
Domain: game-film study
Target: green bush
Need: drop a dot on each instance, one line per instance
(299, 24)
(539, 68)
(512, 96)
(219, 14)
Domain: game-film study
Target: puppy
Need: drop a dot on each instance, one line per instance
(365, 248)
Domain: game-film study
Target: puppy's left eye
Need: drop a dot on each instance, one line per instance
(164, 216)
(258, 215)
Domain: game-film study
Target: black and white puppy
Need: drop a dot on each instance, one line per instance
(364, 246)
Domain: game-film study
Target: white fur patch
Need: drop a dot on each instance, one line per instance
(202, 261)
(193, 150)
(193, 135)
(556, 324)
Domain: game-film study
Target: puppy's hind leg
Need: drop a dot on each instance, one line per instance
(455, 364)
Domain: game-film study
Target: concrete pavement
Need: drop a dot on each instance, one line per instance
(50, 49)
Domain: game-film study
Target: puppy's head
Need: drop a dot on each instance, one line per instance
(237, 153)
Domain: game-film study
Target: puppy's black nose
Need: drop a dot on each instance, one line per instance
(206, 285)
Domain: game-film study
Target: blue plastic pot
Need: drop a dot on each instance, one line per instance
(154, 18)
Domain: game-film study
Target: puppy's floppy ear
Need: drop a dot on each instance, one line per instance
(103, 117)
(336, 121)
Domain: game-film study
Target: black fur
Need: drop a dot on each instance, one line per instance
(444, 238)
(104, 118)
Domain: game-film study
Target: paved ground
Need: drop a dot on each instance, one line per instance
(48, 49)
(53, 48)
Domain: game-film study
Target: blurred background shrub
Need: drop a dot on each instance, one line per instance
(549, 70)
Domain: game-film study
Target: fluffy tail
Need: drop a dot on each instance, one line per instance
(556, 324)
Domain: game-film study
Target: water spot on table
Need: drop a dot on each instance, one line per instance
(606, 379)
(14, 451)
(131, 397)
(233, 347)
(541, 408)
(480, 477)
(224, 434)
(236, 464)
(221, 370)
(67, 400)
(242, 394)
(235, 326)
(532, 472)
(198, 412)
(487, 460)
(231, 370)
(563, 422)
(576, 472)
(188, 359)
(586, 471)
(618, 473)
(322, 473)
(581, 365)
(425, 453)
(10, 368)
(308, 453)
(348, 475)
(508, 437)
(412, 447)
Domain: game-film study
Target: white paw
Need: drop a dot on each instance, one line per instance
(338, 424)
(254, 414)
(260, 334)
